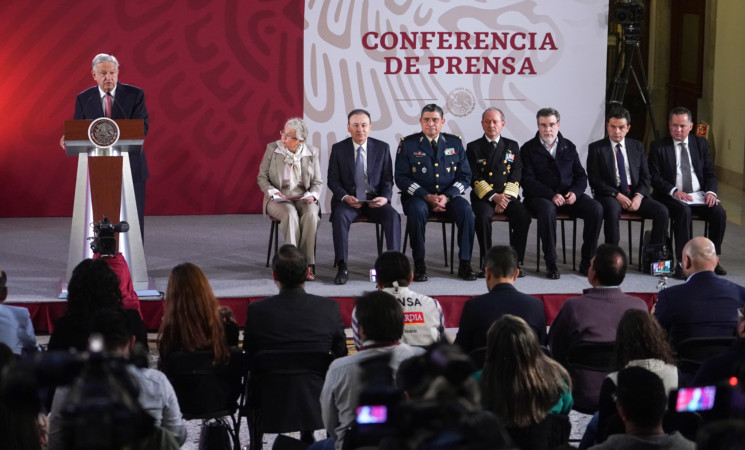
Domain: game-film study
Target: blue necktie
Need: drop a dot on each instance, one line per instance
(359, 176)
(624, 185)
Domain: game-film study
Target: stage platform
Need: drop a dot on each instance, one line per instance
(232, 251)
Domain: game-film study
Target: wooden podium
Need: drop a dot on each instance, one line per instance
(104, 188)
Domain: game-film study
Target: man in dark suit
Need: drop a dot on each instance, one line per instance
(627, 189)
(294, 320)
(479, 313)
(361, 178)
(705, 305)
(554, 180)
(432, 172)
(681, 165)
(496, 169)
(109, 98)
(593, 317)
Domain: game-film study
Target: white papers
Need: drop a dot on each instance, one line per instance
(699, 198)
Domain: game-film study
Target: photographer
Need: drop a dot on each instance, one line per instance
(155, 394)
(104, 246)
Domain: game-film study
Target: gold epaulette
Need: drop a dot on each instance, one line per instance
(512, 189)
(482, 188)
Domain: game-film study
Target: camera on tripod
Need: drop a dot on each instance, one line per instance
(630, 15)
(103, 241)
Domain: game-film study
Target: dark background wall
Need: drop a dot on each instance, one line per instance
(220, 79)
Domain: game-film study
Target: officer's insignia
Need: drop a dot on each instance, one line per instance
(448, 169)
(449, 151)
(481, 161)
(509, 157)
(418, 154)
(424, 170)
(399, 149)
(421, 138)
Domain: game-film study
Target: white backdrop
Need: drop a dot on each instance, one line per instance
(464, 55)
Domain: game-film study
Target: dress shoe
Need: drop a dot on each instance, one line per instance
(311, 274)
(719, 270)
(342, 274)
(420, 272)
(465, 271)
(520, 272)
(481, 274)
(552, 273)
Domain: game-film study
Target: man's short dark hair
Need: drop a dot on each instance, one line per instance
(112, 324)
(679, 111)
(432, 108)
(618, 112)
(501, 260)
(289, 266)
(3, 279)
(548, 112)
(610, 264)
(393, 266)
(354, 112)
(642, 396)
(380, 315)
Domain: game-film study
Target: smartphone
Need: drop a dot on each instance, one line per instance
(372, 414)
(661, 268)
(699, 398)
(373, 276)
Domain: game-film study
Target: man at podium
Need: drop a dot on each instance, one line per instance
(115, 100)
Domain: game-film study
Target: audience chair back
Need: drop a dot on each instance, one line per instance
(283, 390)
(588, 363)
(205, 391)
(692, 352)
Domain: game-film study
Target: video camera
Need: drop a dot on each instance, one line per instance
(629, 14)
(101, 410)
(103, 241)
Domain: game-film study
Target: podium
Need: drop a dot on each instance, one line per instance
(104, 187)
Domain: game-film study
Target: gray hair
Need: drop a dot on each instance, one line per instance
(102, 58)
(300, 127)
(548, 112)
(492, 108)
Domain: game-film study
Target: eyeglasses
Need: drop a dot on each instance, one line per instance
(286, 137)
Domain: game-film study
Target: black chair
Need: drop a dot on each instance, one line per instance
(692, 352)
(206, 391)
(274, 238)
(588, 357)
(551, 432)
(282, 392)
(442, 218)
(379, 236)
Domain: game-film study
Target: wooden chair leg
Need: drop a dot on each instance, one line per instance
(272, 230)
(537, 251)
(406, 240)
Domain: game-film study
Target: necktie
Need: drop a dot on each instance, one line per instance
(494, 145)
(685, 168)
(434, 145)
(624, 184)
(359, 176)
(108, 106)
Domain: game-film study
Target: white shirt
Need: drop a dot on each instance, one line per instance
(625, 161)
(102, 94)
(551, 150)
(695, 184)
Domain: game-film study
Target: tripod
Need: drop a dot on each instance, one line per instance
(628, 53)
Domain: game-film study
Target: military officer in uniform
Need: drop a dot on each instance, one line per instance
(432, 172)
(496, 170)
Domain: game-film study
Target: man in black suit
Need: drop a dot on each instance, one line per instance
(496, 169)
(361, 178)
(500, 265)
(109, 98)
(554, 180)
(294, 320)
(681, 165)
(627, 189)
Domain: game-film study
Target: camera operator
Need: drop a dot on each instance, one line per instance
(155, 393)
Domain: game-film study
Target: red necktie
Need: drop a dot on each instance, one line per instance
(108, 105)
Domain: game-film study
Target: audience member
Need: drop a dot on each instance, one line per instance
(705, 305)
(728, 364)
(684, 179)
(501, 269)
(424, 322)
(360, 176)
(93, 286)
(380, 319)
(16, 329)
(191, 318)
(22, 425)
(593, 317)
(641, 401)
(555, 181)
(640, 342)
(294, 320)
(156, 395)
(497, 170)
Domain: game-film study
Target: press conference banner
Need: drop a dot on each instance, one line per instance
(393, 57)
